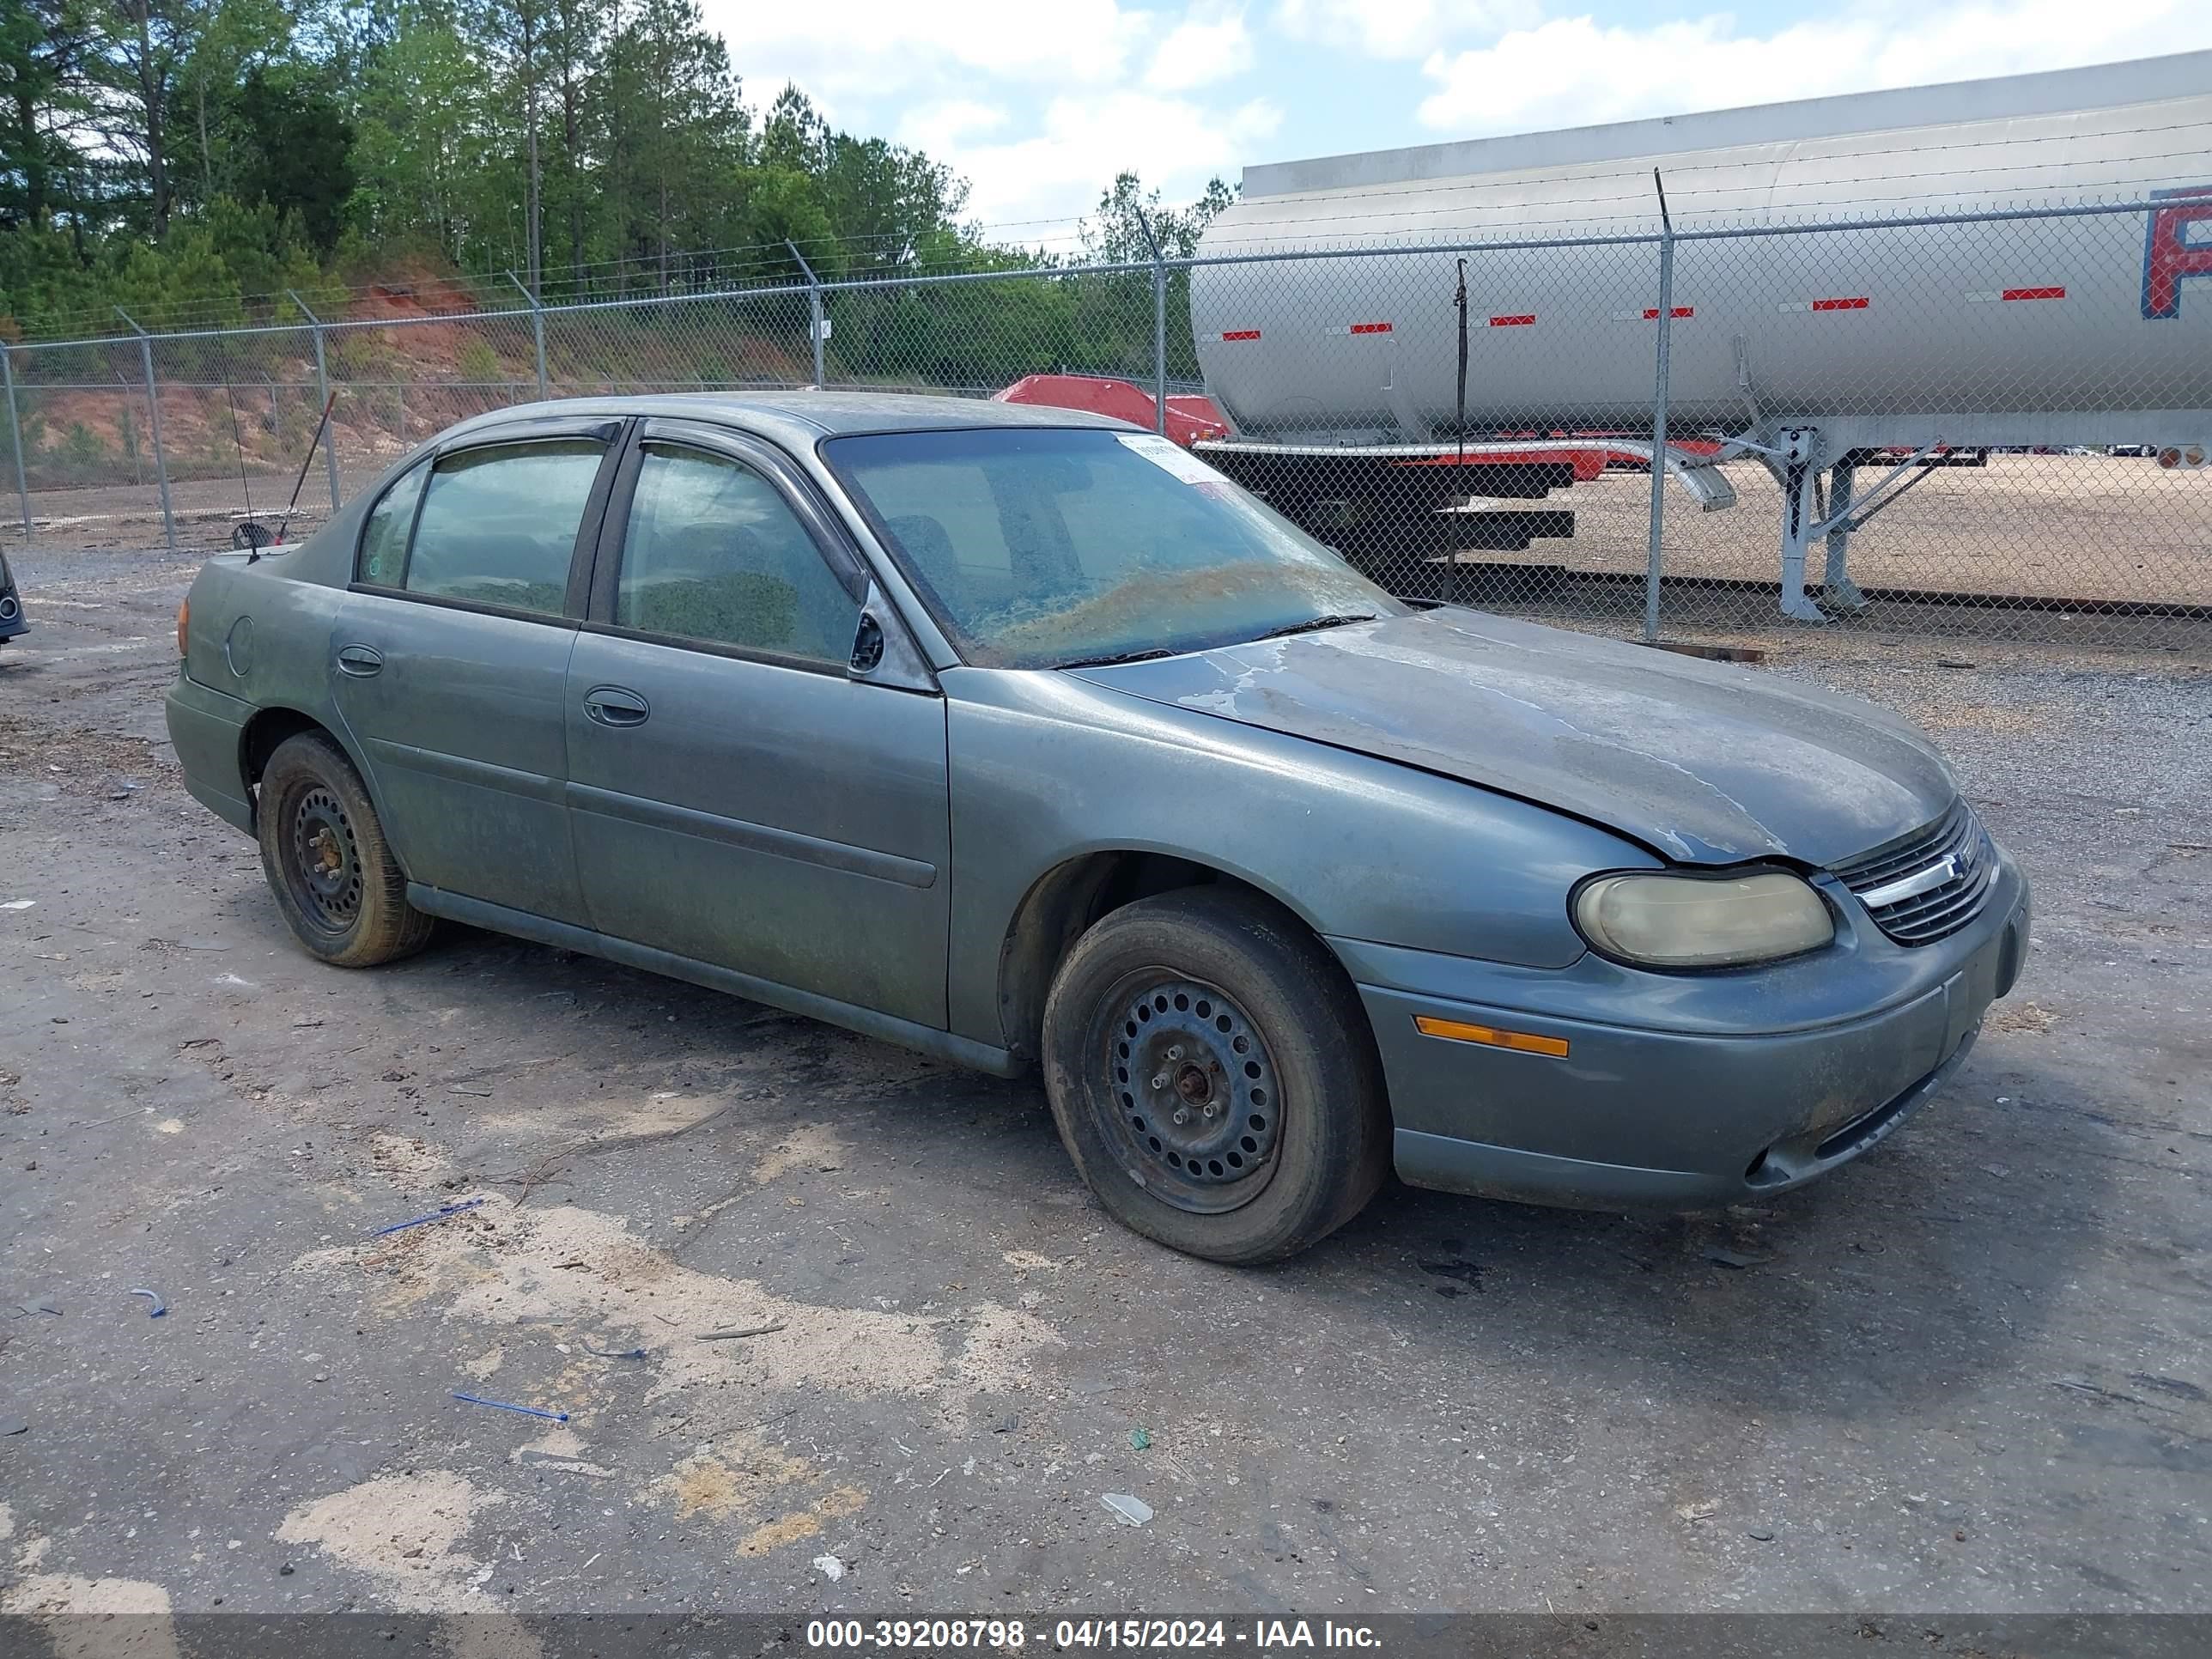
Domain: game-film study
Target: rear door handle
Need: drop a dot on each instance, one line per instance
(359, 660)
(612, 704)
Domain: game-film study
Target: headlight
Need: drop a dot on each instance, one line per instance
(1688, 921)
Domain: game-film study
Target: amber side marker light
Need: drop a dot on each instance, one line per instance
(1458, 1030)
(184, 626)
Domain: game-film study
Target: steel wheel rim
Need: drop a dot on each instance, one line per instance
(323, 868)
(1188, 1094)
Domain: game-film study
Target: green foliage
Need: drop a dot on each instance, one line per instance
(300, 163)
(476, 360)
(187, 271)
(83, 452)
(197, 162)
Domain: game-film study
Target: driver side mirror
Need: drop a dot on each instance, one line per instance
(884, 652)
(867, 644)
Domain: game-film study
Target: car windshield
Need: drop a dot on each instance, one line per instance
(1050, 547)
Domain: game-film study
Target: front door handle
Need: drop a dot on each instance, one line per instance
(612, 704)
(359, 660)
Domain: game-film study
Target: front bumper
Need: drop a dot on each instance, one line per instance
(1757, 1081)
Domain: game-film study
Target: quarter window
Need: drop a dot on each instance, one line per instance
(714, 552)
(498, 526)
(383, 538)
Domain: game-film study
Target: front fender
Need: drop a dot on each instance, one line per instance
(1045, 766)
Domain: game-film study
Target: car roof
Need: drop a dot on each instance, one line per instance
(799, 418)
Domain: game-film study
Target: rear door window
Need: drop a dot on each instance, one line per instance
(498, 524)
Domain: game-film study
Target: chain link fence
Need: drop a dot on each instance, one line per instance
(1981, 425)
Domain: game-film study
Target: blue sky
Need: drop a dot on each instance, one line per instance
(1039, 102)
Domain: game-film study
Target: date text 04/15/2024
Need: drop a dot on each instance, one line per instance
(1256, 1636)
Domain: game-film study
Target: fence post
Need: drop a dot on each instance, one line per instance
(16, 440)
(323, 392)
(537, 330)
(1159, 326)
(1666, 318)
(153, 411)
(131, 434)
(815, 316)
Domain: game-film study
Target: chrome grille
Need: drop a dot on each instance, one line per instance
(1926, 885)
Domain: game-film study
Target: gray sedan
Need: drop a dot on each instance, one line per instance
(1022, 738)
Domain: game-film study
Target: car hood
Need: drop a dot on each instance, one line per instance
(1704, 762)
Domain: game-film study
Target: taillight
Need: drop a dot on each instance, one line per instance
(184, 626)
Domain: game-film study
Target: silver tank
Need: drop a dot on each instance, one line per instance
(2065, 330)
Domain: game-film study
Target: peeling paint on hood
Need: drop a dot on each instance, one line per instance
(1706, 762)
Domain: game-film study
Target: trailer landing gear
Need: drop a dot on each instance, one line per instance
(1801, 524)
(1796, 467)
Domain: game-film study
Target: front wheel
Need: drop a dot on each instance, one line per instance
(1213, 1077)
(324, 852)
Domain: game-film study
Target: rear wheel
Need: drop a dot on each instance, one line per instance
(324, 852)
(1213, 1077)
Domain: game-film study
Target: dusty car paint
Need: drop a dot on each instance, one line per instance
(1707, 762)
(903, 852)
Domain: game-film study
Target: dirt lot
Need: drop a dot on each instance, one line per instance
(1966, 1374)
(2085, 527)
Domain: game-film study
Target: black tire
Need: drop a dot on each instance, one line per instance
(1229, 998)
(324, 852)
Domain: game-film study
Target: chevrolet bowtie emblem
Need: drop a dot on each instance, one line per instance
(1926, 878)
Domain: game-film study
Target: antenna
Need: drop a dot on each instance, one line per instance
(252, 531)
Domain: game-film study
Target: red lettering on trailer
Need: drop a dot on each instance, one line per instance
(2032, 293)
(1242, 334)
(1370, 328)
(1859, 303)
(1513, 322)
(2170, 256)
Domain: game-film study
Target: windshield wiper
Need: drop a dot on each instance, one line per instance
(1315, 625)
(1119, 656)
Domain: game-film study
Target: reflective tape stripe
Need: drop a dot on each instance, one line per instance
(1858, 303)
(1513, 322)
(1651, 314)
(1242, 334)
(1358, 328)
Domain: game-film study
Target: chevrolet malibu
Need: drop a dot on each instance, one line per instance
(1022, 737)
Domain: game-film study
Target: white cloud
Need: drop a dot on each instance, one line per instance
(1573, 72)
(1038, 105)
(1400, 28)
(938, 129)
(1081, 142)
(1200, 51)
(853, 53)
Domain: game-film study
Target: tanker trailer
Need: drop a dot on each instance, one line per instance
(1819, 352)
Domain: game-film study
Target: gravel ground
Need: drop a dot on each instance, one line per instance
(1966, 1374)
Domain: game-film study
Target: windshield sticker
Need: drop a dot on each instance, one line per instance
(1171, 458)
